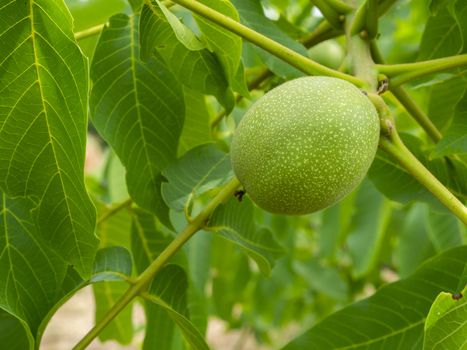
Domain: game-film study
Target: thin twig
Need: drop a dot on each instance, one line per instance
(142, 282)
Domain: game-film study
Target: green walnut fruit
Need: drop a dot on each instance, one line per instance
(305, 144)
(328, 53)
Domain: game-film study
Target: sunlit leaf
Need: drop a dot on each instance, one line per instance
(446, 323)
(251, 14)
(234, 221)
(43, 120)
(199, 70)
(30, 272)
(225, 44)
(196, 129)
(394, 317)
(199, 170)
(34, 280)
(13, 335)
(87, 14)
(137, 107)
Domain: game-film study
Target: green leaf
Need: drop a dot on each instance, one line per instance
(324, 279)
(226, 45)
(112, 264)
(168, 290)
(234, 221)
(87, 14)
(367, 229)
(199, 70)
(442, 35)
(13, 335)
(30, 272)
(435, 5)
(159, 328)
(334, 226)
(443, 100)
(397, 184)
(444, 230)
(454, 140)
(198, 250)
(413, 233)
(106, 295)
(251, 15)
(394, 317)
(198, 171)
(231, 274)
(43, 120)
(115, 229)
(34, 281)
(115, 176)
(136, 5)
(446, 324)
(196, 129)
(138, 108)
(147, 239)
(147, 242)
(330, 231)
(182, 32)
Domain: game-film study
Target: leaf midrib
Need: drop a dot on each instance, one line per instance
(135, 90)
(374, 340)
(44, 109)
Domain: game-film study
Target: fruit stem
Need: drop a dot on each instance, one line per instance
(295, 59)
(402, 73)
(147, 275)
(393, 145)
